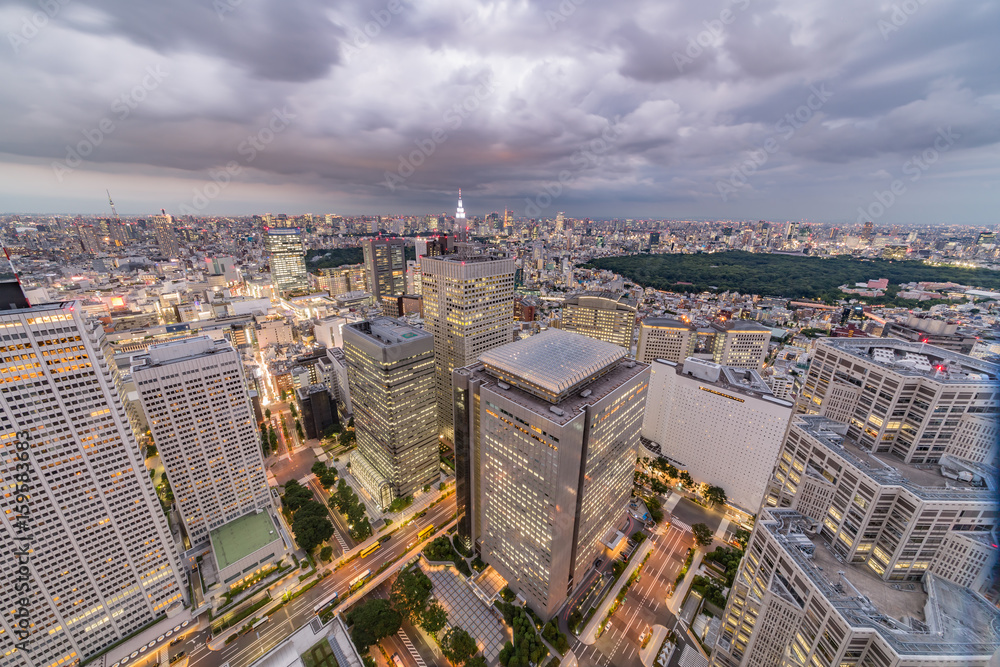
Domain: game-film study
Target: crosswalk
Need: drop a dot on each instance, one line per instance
(413, 651)
(340, 540)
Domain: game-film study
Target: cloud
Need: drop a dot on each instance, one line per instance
(372, 81)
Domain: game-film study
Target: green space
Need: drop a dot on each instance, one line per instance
(241, 537)
(330, 258)
(442, 549)
(346, 501)
(319, 655)
(784, 275)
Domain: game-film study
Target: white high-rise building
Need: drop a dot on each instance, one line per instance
(86, 556)
(469, 307)
(286, 255)
(194, 394)
(720, 423)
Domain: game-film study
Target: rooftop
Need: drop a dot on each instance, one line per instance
(241, 537)
(388, 331)
(552, 364)
(926, 481)
(182, 349)
(918, 359)
(935, 617)
(666, 323)
(605, 300)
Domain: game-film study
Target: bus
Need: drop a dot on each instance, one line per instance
(256, 626)
(326, 603)
(359, 581)
(425, 532)
(396, 661)
(369, 549)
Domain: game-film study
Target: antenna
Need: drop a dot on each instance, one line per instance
(110, 201)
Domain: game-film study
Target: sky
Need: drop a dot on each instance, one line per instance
(825, 110)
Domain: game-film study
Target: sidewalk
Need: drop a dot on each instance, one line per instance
(681, 592)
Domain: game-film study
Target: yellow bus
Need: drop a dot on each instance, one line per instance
(369, 549)
(425, 532)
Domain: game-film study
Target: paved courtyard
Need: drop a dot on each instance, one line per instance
(466, 610)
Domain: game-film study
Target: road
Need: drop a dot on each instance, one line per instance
(645, 605)
(339, 524)
(294, 615)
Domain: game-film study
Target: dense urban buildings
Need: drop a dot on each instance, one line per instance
(915, 401)
(385, 266)
(720, 423)
(286, 256)
(549, 432)
(166, 236)
(194, 395)
(606, 316)
(469, 308)
(100, 560)
(797, 602)
(391, 372)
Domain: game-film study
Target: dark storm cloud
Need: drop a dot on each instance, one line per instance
(635, 108)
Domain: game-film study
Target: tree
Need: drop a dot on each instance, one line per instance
(267, 414)
(671, 472)
(658, 486)
(458, 645)
(410, 592)
(742, 536)
(685, 479)
(311, 525)
(326, 554)
(476, 661)
(702, 534)
(273, 437)
(434, 617)
(298, 429)
(150, 450)
(291, 408)
(372, 621)
(295, 495)
(715, 495)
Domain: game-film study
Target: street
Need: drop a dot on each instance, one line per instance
(252, 645)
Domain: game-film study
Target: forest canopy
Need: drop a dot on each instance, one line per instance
(782, 275)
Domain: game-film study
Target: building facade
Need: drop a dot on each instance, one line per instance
(385, 266)
(546, 434)
(913, 400)
(286, 256)
(607, 316)
(738, 343)
(390, 367)
(81, 525)
(193, 392)
(166, 236)
(664, 338)
(720, 423)
(468, 302)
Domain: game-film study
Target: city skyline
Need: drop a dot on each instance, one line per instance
(637, 111)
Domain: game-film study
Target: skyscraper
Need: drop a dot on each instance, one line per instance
(740, 343)
(193, 392)
(87, 554)
(546, 431)
(607, 316)
(721, 423)
(390, 367)
(665, 338)
(286, 255)
(385, 266)
(469, 308)
(460, 221)
(166, 236)
(915, 401)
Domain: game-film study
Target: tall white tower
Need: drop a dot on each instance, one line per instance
(460, 214)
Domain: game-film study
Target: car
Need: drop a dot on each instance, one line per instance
(384, 539)
(177, 641)
(421, 515)
(599, 562)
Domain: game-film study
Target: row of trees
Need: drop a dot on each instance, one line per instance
(714, 494)
(310, 520)
(346, 501)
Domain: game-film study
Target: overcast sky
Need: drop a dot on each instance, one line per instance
(771, 109)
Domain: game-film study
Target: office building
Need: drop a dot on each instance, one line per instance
(739, 343)
(607, 316)
(390, 367)
(912, 400)
(385, 266)
(194, 394)
(938, 333)
(286, 255)
(546, 435)
(318, 409)
(468, 300)
(720, 423)
(90, 539)
(664, 338)
(889, 516)
(166, 236)
(795, 601)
